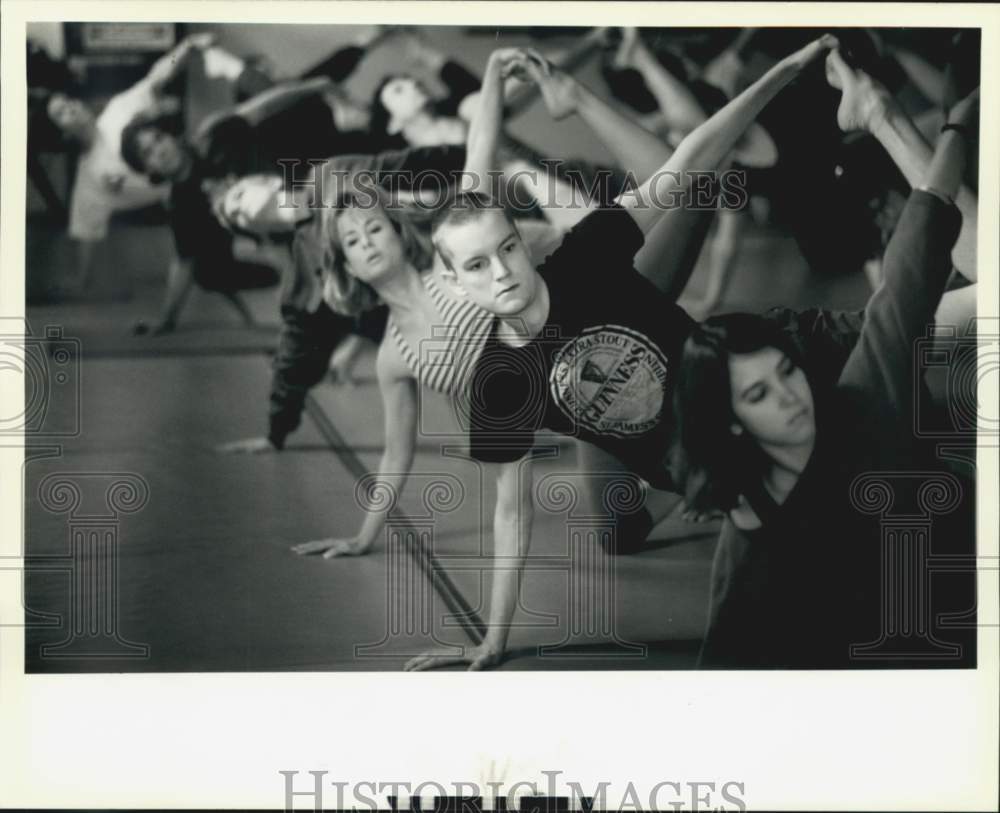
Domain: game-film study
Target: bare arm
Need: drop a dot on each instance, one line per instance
(180, 281)
(170, 65)
(399, 400)
(280, 97)
(485, 128)
(511, 540)
(706, 147)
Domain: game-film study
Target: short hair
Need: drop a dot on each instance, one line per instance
(349, 295)
(155, 121)
(712, 466)
(461, 208)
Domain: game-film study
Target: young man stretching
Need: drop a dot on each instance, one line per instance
(585, 345)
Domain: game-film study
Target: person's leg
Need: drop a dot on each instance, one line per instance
(678, 105)
(725, 246)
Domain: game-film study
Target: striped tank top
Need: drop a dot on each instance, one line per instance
(445, 360)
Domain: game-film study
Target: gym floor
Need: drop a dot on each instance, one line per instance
(204, 577)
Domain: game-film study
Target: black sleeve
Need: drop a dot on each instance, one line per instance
(506, 405)
(340, 65)
(371, 323)
(460, 82)
(916, 267)
(597, 246)
(304, 348)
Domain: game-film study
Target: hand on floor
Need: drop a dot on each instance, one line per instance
(247, 446)
(479, 658)
(140, 328)
(330, 548)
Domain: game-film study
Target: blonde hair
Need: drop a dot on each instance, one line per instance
(342, 291)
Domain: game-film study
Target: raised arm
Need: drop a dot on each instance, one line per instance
(170, 65)
(705, 147)
(399, 400)
(916, 268)
(866, 105)
(280, 97)
(485, 128)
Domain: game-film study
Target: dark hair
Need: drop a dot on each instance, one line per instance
(378, 124)
(628, 86)
(351, 296)
(463, 207)
(155, 121)
(43, 133)
(713, 467)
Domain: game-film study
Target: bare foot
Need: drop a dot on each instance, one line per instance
(864, 101)
(626, 49)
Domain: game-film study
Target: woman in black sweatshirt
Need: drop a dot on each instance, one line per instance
(798, 574)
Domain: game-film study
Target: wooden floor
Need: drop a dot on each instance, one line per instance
(204, 579)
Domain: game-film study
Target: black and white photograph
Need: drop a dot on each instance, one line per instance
(399, 344)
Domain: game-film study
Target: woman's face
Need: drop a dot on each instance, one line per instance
(403, 97)
(254, 203)
(372, 247)
(70, 115)
(771, 398)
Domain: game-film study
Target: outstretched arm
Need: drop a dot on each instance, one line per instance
(916, 267)
(399, 399)
(511, 540)
(170, 65)
(705, 148)
(866, 105)
(272, 101)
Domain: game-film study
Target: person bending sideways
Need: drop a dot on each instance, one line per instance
(801, 576)
(584, 345)
(104, 183)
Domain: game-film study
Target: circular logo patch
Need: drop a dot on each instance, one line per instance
(610, 380)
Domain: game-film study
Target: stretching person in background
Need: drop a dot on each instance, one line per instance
(380, 254)
(225, 148)
(867, 106)
(104, 183)
(798, 574)
(403, 108)
(319, 331)
(683, 104)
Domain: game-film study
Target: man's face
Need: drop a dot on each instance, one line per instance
(71, 116)
(161, 153)
(491, 265)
